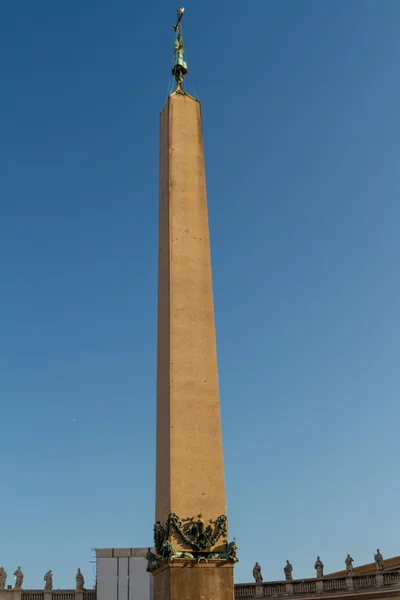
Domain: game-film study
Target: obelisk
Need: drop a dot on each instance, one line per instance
(193, 559)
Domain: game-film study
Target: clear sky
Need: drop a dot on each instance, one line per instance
(300, 104)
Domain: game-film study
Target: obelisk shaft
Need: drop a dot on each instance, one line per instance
(190, 471)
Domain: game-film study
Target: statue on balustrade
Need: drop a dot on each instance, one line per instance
(379, 561)
(319, 567)
(48, 578)
(3, 578)
(257, 573)
(349, 566)
(19, 579)
(80, 582)
(288, 571)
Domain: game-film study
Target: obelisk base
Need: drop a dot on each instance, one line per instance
(185, 580)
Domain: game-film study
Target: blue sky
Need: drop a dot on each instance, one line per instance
(300, 108)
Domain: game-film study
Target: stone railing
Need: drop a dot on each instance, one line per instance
(364, 581)
(44, 595)
(275, 588)
(304, 587)
(334, 585)
(243, 590)
(317, 586)
(391, 578)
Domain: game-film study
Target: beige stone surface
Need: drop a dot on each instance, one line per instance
(190, 470)
(139, 552)
(104, 552)
(200, 582)
(120, 552)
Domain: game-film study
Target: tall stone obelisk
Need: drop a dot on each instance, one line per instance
(193, 558)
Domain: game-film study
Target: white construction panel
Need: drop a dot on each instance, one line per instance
(139, 579)
(107, 579)
(122, 578)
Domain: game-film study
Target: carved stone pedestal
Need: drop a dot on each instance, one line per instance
(319, 586)
(47, 595)
(379, 580)
(289, 588)
(185, 580)
(259, 591)
(349, 583)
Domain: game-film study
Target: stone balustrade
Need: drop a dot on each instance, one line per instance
(334, 585)
(392, 578)
(47, 595)
(309, 587)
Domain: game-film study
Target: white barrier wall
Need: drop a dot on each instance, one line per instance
(122, 575)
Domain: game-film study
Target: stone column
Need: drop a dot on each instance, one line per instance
(190, 467)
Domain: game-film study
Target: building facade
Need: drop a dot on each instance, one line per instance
(365, 583)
